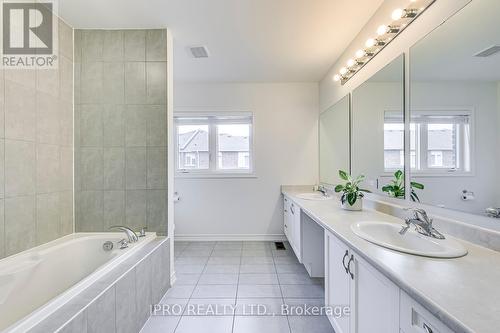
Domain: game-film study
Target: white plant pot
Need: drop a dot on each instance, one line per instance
(358, 205)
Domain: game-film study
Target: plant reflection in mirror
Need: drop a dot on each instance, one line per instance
(396, 188)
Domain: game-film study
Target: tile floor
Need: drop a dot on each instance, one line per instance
(238, 287)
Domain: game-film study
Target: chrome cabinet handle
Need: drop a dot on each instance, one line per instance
(349, 267)
(427, 328)
(343, 261)
(292, 210)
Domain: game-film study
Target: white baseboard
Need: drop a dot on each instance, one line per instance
(219, 237)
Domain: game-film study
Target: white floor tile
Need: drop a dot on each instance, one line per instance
(179, 291)
(254, 291)
(244, 324)
(254, 269)
(215, 291)
(315, 324)
(262, 278)
(218, 279)
(259, 307)
(211, 307)
(302, 291)
(205, 324)
(160, 325)
(221, 269)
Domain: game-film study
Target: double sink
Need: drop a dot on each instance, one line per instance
(388, 235)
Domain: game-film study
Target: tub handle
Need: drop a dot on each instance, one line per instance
(123, 244)
(142, 232)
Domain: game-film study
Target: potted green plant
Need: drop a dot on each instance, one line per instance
(352, 194)
(396, 188)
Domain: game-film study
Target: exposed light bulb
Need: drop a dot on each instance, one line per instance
(336, 78)
(382, 30)
(351, 62)
(360, 54)
(370, 42)
(343, 71)
(397, 14)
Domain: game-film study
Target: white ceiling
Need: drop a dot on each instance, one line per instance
(248, 40)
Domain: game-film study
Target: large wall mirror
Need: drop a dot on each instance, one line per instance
(334, 141)
(455, 111)
(378, 130)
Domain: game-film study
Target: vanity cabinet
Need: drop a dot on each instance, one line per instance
(351, 282)
(292, 226)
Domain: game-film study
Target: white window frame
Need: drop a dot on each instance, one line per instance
(212, 119)
(421, 157)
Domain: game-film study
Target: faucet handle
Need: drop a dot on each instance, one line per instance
(142, 232)
(417, 211)
(123, 244)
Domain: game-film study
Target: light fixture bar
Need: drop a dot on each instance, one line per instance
(401, 19)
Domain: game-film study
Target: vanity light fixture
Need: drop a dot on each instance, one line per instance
(401, 19)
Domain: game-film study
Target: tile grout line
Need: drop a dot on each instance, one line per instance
(281, 290)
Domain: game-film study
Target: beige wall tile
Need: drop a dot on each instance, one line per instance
(113, 83)
(136, 209)
(156, 86)
(135, 168)
(65, 40)
(47, 217)
(91, 168)
(20, 112)
(135, 83)
(135, 45)
(157, 211)
(91, 132)
(66, 79)
(156, 45)
(136, 126)
(66, 169)
(66, 212)
(2, 169)
(114, 126)
(92, 45)
(91, 82)
(157, 125)
(23, 77)
(113, 45)
(19, 168)
(89, 211)
(114, 208)
(47, 168)
(66, 123)
(2, 228)
(114, 168)
(47, 81)
(19, 224)
(157, 168)
(47, 119)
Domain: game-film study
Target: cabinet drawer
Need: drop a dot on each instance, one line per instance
(414, 318)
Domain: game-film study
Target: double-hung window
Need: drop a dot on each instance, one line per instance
(441, 142)
(214, 144)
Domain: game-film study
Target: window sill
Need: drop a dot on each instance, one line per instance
(214, 176)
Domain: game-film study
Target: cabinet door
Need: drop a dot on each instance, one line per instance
(337, 281)
(377, 300)
(286, 217)
(297, 232)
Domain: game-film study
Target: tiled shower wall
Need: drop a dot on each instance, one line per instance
(121, 129)
(36, 154)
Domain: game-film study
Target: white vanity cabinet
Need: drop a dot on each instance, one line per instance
(350, 281)
(292, 226)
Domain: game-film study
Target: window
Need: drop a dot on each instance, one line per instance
(214, 144)
(394, 132)
(441, 142)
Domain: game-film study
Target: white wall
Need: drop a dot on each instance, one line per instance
(286, 152)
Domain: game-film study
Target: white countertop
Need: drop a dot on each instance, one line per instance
(461, 292)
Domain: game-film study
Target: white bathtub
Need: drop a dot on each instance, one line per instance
(35, 283)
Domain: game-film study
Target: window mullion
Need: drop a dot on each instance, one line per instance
(212, 144)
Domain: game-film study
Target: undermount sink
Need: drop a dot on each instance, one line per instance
(387, 235)
(313, 196)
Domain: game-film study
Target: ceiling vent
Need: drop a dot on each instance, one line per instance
(489, 51)
(199, 51)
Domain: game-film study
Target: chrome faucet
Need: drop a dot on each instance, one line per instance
(323, 190)
(422, 223)
(131, 235)
(493, 212)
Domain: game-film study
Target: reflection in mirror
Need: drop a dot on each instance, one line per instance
(378, 131)
(334, 141)
(455, 111)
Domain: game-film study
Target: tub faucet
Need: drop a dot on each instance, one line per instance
(422, 223)
(323, 190)
(131, 235)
